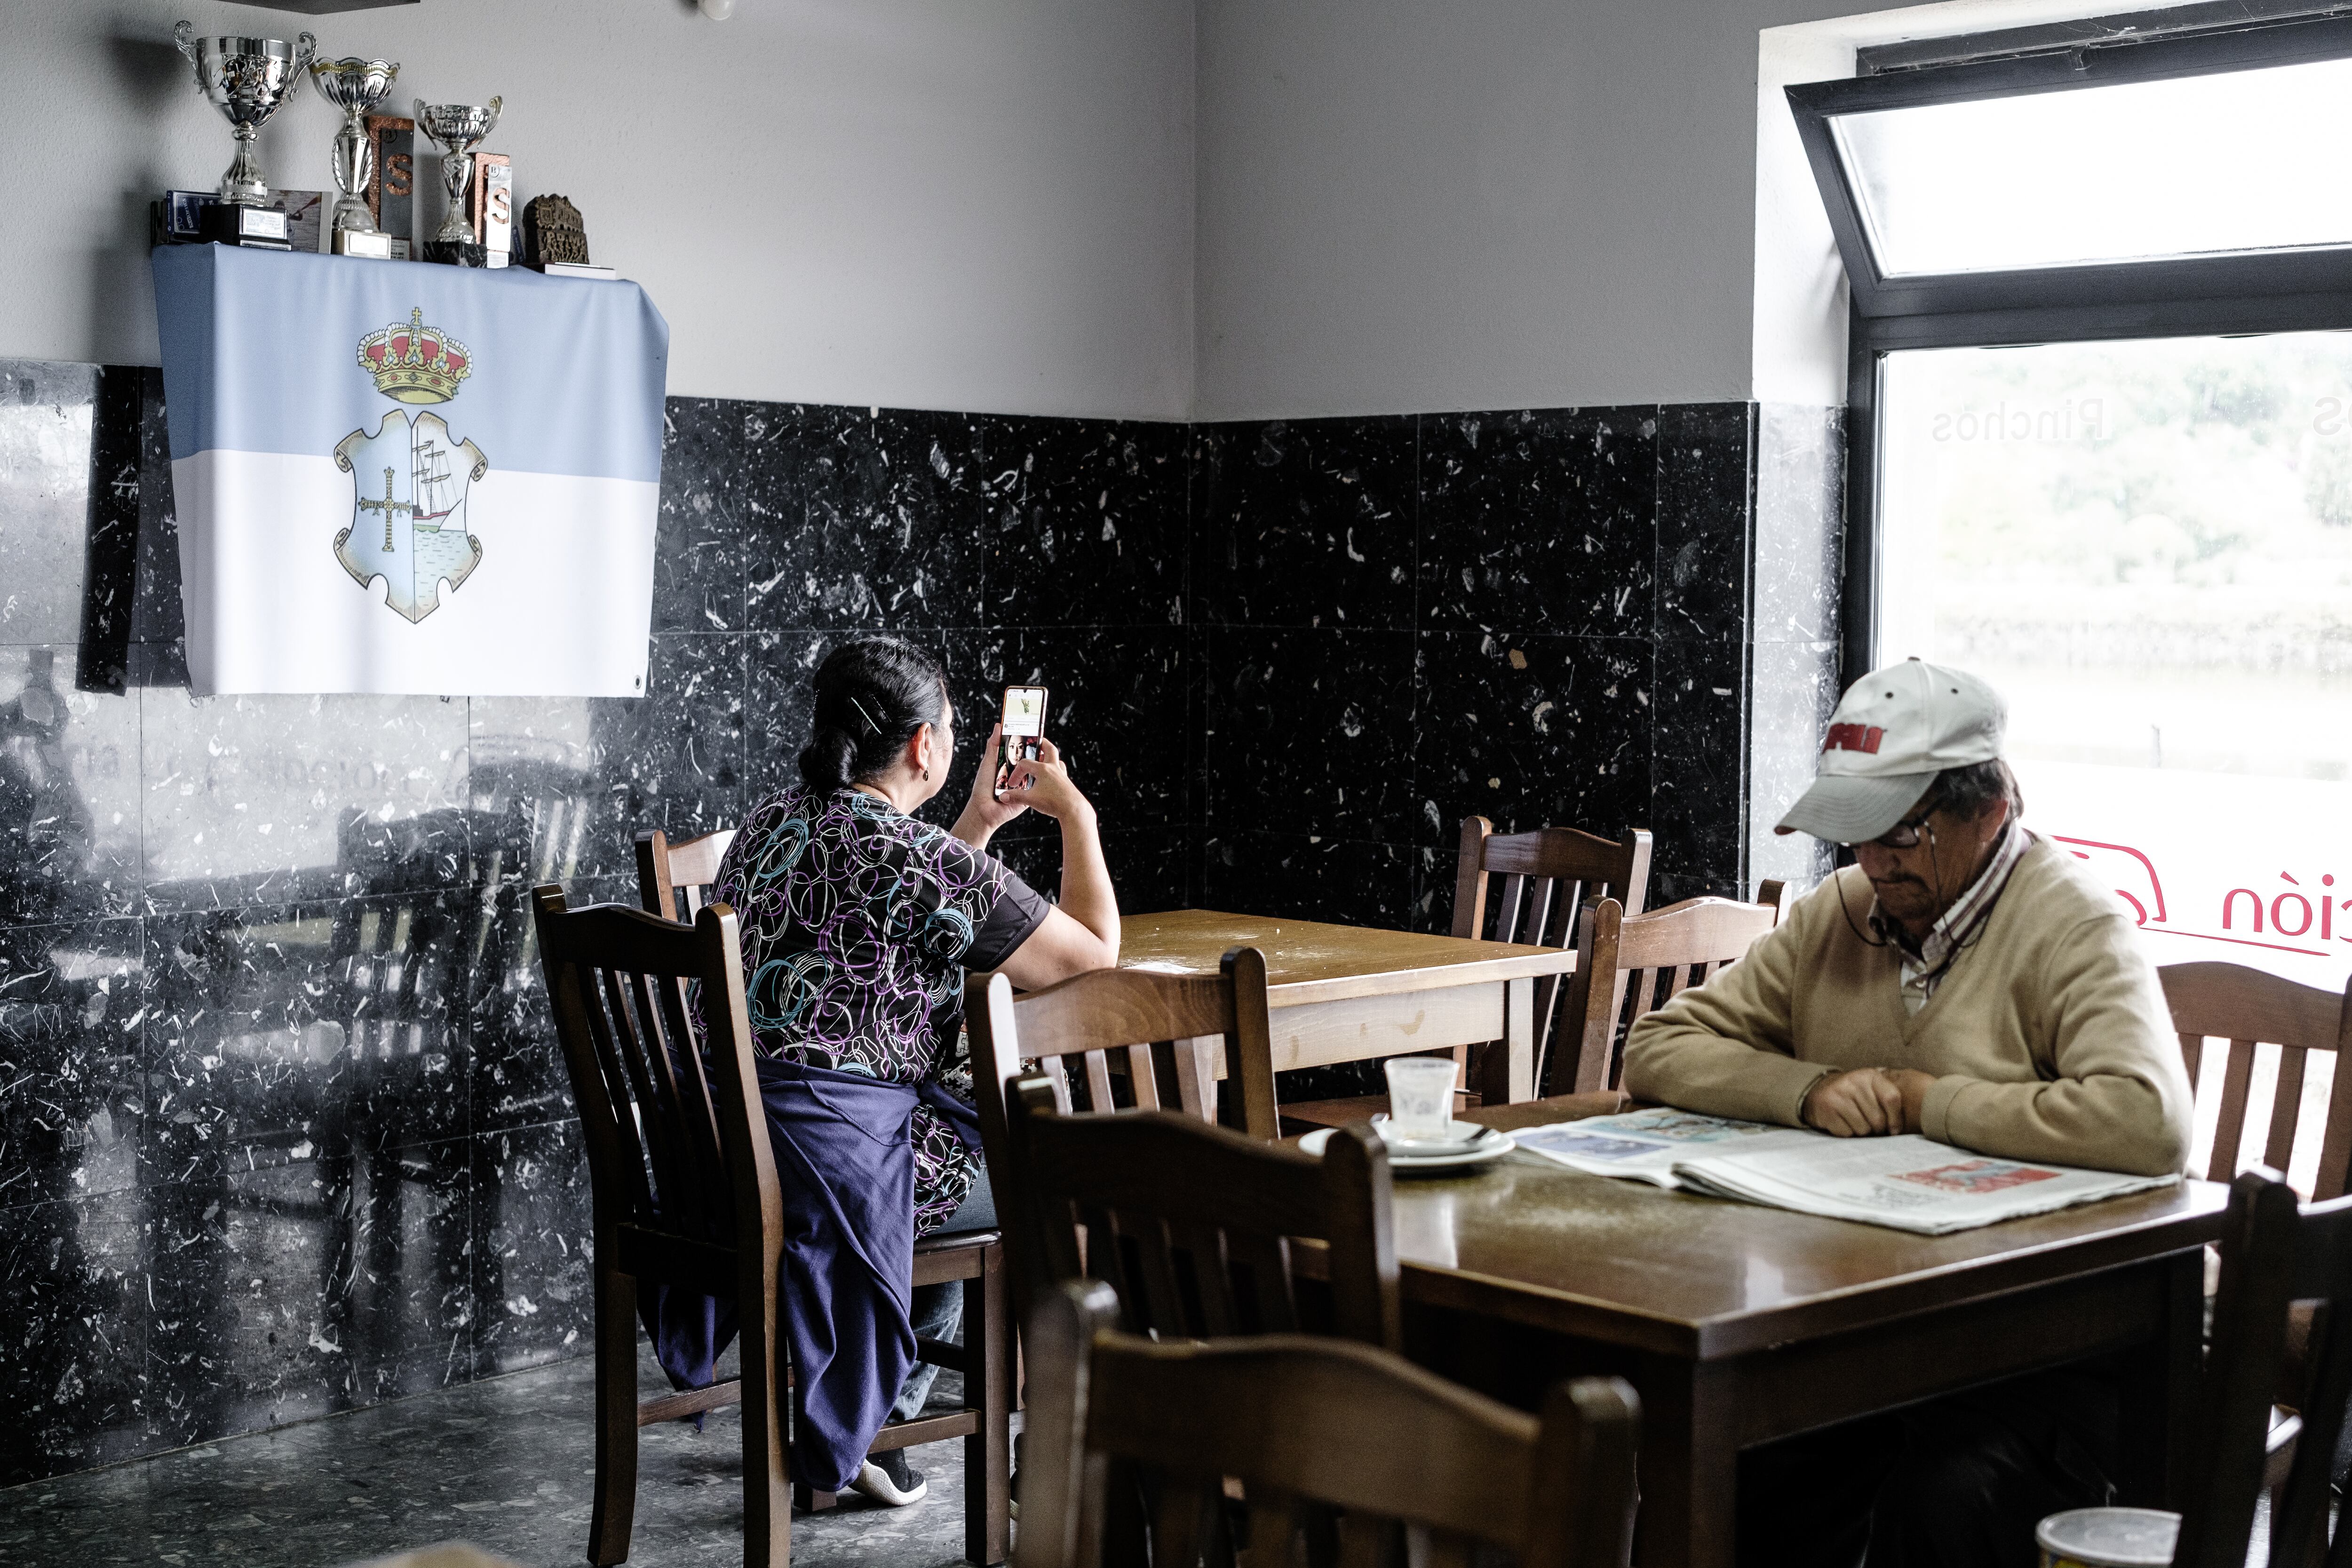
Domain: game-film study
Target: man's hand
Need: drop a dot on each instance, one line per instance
(1915, 1086)
(1863, 1102)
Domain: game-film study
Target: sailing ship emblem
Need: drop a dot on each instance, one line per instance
(409, 481)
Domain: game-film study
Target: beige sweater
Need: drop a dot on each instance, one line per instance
(2049, 1038)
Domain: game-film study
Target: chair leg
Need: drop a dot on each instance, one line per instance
(617, 1417)
(988, 1453)
(767, 1485)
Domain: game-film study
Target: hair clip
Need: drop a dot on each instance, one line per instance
(862, 713)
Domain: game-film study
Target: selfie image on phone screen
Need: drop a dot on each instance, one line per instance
(1025, 727)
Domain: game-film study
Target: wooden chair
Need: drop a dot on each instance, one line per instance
(685, 1192)
(1628, 965)
(1159, 1030)
(2273, 1024)
(2274, 1257)
(1190, 1223)
(674, 881)
(684, 1183)
(1140, 1041)
(1545, 876)
(1350, 1446)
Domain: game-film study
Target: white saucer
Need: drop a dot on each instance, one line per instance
(1486, 1153)
(1460, 1138)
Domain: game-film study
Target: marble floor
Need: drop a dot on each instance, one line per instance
(505, 1463)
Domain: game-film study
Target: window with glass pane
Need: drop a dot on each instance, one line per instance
(2147, 547)
(2236, 161)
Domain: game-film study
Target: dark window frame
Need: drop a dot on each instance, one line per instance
(2206, 296)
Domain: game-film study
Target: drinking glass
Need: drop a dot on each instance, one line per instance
(1421, 1097)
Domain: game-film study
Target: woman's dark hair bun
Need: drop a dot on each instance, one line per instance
(829, 760)
(872, 695)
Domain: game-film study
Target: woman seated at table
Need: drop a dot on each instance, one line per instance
(858, 924)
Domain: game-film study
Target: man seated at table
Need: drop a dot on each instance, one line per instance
(1966, 979)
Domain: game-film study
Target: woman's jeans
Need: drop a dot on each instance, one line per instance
(939, 1309)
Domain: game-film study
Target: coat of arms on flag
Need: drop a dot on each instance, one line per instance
(409, 480)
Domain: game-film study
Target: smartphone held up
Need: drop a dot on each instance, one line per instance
(1024, 731)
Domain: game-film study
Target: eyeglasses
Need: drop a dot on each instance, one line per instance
(1906, 834)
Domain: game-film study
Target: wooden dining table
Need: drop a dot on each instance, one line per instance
(1739, 1324)
(1342, 994)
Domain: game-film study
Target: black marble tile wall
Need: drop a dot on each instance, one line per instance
(283, 1128)
(1569, 617)
(282, 1125)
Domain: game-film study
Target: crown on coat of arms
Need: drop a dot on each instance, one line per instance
(412, 363)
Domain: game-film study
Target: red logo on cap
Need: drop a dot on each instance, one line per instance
(1853, 738)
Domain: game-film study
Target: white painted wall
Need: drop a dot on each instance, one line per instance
(935, 204)
(1421, 204)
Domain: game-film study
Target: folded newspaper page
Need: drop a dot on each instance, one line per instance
(1906, 1183)
(1646, 1146)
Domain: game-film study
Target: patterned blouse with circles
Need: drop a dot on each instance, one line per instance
(858, 923)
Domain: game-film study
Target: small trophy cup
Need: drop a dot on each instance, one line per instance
(355, 86)
(246, 79)
(456, 128)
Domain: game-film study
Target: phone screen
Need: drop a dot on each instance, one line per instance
(1024, 726)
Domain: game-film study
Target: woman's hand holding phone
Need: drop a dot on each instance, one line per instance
(1044, 783)
(985, 812)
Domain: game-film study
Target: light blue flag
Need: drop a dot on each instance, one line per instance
(393, 477)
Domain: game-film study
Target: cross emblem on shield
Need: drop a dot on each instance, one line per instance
(410, 482)
(421, 478)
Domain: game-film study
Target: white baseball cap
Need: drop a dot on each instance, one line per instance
(1893, 730)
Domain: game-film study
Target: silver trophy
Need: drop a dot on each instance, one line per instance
(354, 86)
(456, 128)
(246, 79)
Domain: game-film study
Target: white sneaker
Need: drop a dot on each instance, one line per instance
(893, 1482)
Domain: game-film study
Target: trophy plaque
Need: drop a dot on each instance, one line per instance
(493, 214)
(553, 226)
(558, 239)
(355, 86)
(456, 128)
(233, 223)
(392, 194)
(245, 79)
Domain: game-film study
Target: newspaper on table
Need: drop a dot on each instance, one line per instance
(1906, 1183)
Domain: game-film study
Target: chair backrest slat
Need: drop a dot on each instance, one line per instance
(673, 879)
(2265, 1021)
(2230, 1130)
(1628, 966)
(617, 1033)
(1100, 1096)
(668, 1104)
(1351, 1445)
(2286, 1109)
(1186, 1200)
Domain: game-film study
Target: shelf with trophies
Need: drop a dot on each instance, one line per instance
(373, 212)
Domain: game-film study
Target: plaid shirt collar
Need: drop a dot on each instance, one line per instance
(1926, 964)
